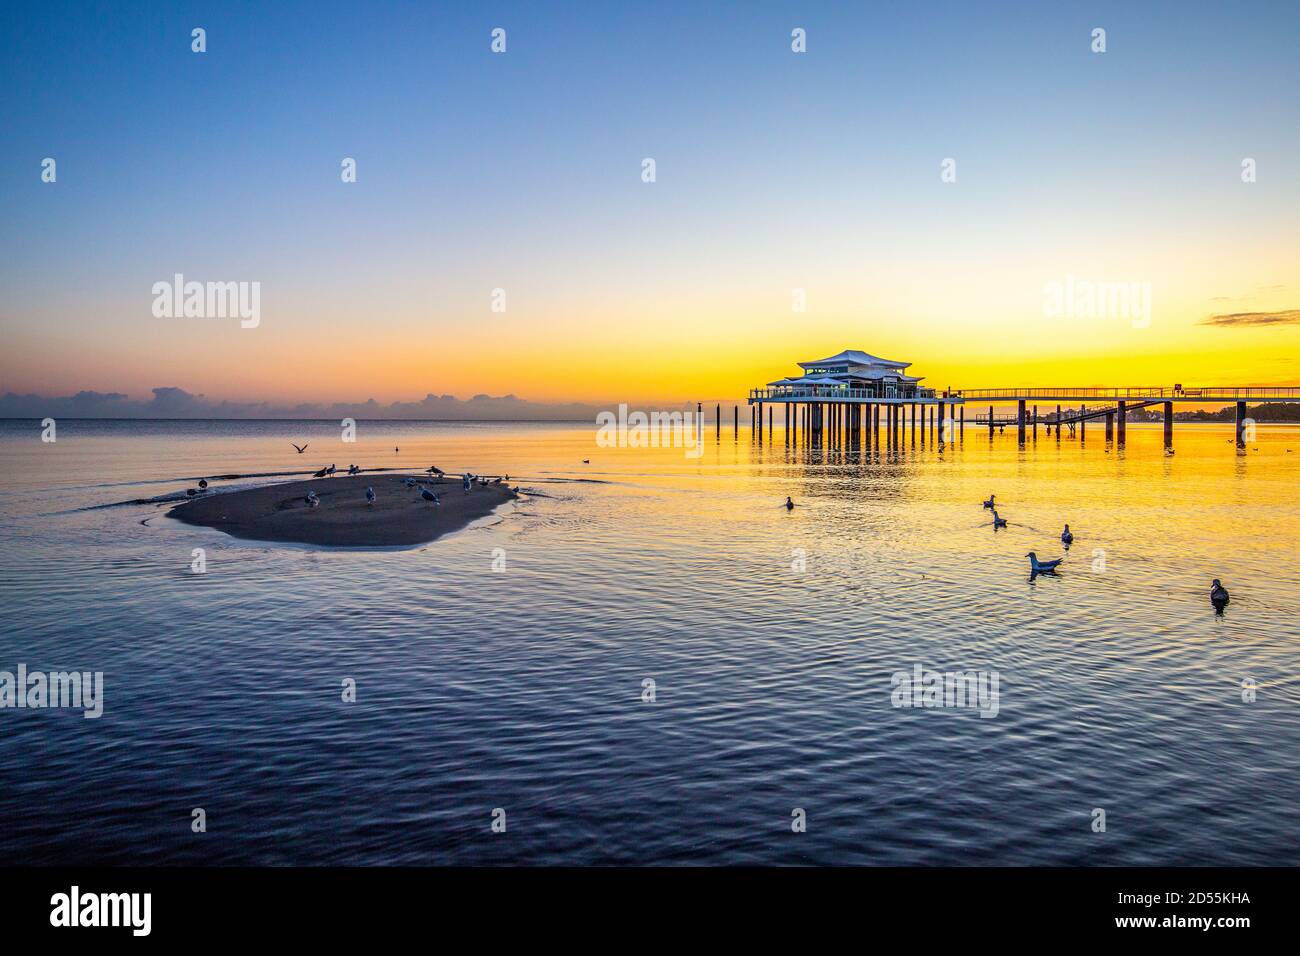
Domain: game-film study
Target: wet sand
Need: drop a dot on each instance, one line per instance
(399, 515)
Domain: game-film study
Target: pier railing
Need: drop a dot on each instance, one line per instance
(1137, 392)
(829, 393)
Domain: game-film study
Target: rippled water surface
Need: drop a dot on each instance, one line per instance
(771, 637)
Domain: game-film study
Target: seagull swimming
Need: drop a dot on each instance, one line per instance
(989, 503)
(299, 450)
(789, 504)
(370, 496)
(998, 522)
(1219, 596)
(1067, 536)
(1042, 567)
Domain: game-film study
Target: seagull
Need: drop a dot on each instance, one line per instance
(370, 496)
(299, 450)
(331, 471)
(435, 470)
(1219, 596)
(321, 474)
(998, 522)
(1067, 536)
(789, 504)
(354, 469)
(989, 503)
(466, 482)
(203, 484)
(410, 482)
(311, 499)
(1042, 567)
(428, 495)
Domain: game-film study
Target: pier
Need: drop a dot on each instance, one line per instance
(849, 395)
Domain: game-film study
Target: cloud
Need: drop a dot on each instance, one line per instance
(1238, 319)
(174, 402)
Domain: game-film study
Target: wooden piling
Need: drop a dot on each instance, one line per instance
(1121, 417)
(1020, 421)
(1169, 424)
(1241, 424)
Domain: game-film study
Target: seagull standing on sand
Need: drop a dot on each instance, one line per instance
(370, 496)
(311, 499)
(330, 471)
(354, 469)
(1219, 596)
(1067, 536)
(1042, 567)
(321, 474)
(428, 495)
(465, 482)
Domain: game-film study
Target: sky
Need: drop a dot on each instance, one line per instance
(775, 171)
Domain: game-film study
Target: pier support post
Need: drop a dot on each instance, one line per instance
(1058, 422)
(939, 420)
(1035, 423)
(1082, 423)
(717, 421)
(963, 420)
(1110, 426)
(1169, 424)
(990, 421)
(1241, 424)
(735, 422)
(1020, 421)
(1121, 417)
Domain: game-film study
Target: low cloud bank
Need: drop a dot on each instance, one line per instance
(174, 402)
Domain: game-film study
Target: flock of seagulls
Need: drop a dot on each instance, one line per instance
(468, 481)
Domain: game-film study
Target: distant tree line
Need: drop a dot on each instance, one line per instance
(1267, 412)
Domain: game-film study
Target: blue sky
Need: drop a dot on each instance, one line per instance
(477, 170)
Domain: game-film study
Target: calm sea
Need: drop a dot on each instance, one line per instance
(771, 638)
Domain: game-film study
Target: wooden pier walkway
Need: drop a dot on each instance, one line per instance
(858, 413)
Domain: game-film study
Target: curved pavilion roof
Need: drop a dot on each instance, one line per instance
(853, 357)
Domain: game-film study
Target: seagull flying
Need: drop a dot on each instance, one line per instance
(299, 450)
